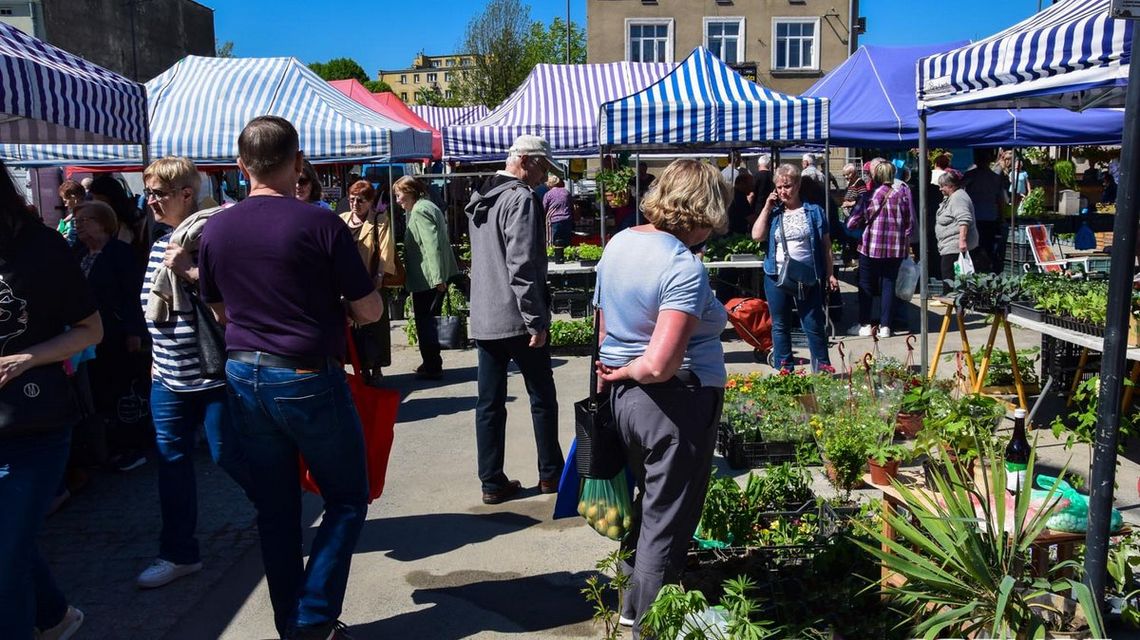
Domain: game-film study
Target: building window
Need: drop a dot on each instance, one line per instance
(449, 94)
(432, 77)
(416, 96)
(447, 76)
(467, 62)
(796, 45)
(416, 78)
(451, 62)
(404, 96)
(5, 12)
(724, 37)
(403, 78)
(649, 40)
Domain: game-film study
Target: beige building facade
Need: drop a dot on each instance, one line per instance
(785, 45)
(427, 73)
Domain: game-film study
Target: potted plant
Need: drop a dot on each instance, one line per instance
(843, 443)
(615, 185)
(961, 429)
(884, 458)
(588, 253)
(919, 393)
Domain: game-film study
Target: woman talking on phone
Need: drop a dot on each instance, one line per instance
(797, 268)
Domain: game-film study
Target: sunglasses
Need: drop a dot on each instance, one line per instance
(302, 182)
(158, 194)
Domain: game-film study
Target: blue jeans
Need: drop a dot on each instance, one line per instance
(879, 273)
(176, 416)
(491, 408)
(280, 413)
(813, 319)
(30, 472)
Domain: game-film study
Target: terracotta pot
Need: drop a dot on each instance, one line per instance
(908, 424)
(881, 475)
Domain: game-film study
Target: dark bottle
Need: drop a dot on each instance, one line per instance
(1017, 455)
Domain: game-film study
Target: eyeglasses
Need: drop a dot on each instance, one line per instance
(159, 194)
(355, 199)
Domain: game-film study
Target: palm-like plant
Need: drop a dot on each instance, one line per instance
(965, 557)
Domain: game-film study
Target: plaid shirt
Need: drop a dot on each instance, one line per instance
(886, 214)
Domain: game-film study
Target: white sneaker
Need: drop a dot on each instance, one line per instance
(884, 332)
(66, 628)
(162, 572)
(865, 331)
(625, 622)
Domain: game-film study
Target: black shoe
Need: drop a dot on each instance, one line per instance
(129, 461)
(497, 496)
(335, 630)
(424, 374)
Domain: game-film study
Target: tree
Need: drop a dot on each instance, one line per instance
(432, 96)
(339, 69)
(224, 49)
(377, 86)
(547, 44)
(496, 40)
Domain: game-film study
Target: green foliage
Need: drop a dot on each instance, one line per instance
(1066, 173)
(614, 183)
(1082, 421)
(547, 43)
(339, 69)
(377, 86)
(920, 392)
(564, 333)
(1034, 204)
(496, 40)
(845, 441)
(676, 613)
(965, 427)
(721, 247)
(223, 49)
(1077, 298)
(596, 592)
(987, 292)
(588, 252)
(732, 515)
(967, 568)
(433, 96)
(1123, 562)
(1000, 371)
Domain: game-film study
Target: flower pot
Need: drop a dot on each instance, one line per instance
(881, 475)
(908, 424)
(559, 255)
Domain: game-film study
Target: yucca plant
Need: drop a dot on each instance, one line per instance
(967, 567)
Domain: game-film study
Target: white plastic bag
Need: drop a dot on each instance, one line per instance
(907, 280)
(964, 266)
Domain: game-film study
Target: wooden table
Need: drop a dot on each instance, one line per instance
(1064, 542)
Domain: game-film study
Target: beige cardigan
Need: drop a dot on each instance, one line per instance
(367, 248)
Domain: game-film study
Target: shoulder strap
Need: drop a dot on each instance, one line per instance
(375, 257)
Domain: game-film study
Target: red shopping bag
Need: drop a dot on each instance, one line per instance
(377, 409)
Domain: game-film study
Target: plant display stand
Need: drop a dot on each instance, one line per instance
(977, 374)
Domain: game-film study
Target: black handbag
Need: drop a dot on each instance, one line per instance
(795, 276)
(600, 452)
(211, 340)
(449, 325)
(40, 400)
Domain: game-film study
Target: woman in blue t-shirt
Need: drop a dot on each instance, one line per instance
(660, 353)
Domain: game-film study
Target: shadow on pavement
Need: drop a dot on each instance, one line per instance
(419, 408)
(516, 604)
(411, 538)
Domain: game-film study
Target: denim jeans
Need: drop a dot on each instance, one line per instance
(813, 319)
(491, 408)
(176, 416)
(30, 471)
(877, 273)
(426, 306)
(280, 413)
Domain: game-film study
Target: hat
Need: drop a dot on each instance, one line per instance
(535, 147)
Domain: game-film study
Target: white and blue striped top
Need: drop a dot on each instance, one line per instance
(175, 343)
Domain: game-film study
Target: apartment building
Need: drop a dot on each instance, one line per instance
(785, 45)
(427, 73)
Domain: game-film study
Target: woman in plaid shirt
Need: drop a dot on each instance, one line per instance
(886, 220)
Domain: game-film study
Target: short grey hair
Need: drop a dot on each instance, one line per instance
(789, 170)
(949, 179)
(764, 161)
(809, 159)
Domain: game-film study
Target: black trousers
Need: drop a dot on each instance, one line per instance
(426, 307)
(374, 344)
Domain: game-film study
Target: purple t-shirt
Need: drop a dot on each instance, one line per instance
(557, 204)
(281, 265)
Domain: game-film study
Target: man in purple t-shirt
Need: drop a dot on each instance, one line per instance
(278, 271)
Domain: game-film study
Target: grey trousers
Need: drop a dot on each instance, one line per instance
(669, 430)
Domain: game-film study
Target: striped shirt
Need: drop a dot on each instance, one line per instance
(887, 217)
(175, 341)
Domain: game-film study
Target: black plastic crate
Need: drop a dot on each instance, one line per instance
(752, 455)
(1026, 310)
(1059, 359)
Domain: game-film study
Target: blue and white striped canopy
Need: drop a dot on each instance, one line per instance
(199, 106)
(1073, 54)
(440, 117)
(50, 95)
(558, 102)
(705, 104)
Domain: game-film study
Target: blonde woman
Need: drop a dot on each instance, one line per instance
(660, 354)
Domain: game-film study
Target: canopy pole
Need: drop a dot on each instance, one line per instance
(923, 259)
(600, 190)
(1013, 208)
(827, 182)
(637, 189)
(391, 201)
(1116, 328)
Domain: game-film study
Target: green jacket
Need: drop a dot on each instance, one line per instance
(428, 256)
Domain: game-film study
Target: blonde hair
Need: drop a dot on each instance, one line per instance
(884, 173)
(553, 180)
(174, 172)
(790, 171)
(688, 195)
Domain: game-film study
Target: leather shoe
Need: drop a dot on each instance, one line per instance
(548, 486)
(502, 495)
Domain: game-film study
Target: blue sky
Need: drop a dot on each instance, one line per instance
(388, 33)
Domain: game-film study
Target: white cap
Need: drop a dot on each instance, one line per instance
(535, 147)
(1019, 413)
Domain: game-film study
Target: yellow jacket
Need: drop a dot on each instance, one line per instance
(367, 248)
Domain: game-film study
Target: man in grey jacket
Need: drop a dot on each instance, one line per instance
(510, 314)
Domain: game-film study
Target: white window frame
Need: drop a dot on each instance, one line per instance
(741, 40)
(403, 78)
(816, 53)
(669, 36)
(416, 78)
(431, 77)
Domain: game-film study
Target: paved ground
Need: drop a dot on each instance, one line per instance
(433, 562)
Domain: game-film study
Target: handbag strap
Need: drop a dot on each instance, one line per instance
(350, 347)
(375, 258)
(596, 354)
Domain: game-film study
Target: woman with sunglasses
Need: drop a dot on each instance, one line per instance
(372, 231)
(309, 187)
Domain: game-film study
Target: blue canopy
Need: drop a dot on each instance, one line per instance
(872, 105)
(50, 95)
(1073, 54)
(705, 104)
(200, 105)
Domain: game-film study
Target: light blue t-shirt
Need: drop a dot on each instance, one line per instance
(643, 273)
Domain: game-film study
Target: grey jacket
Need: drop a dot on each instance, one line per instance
(509, 294)
(955, 211)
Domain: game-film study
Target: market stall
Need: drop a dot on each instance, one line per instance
(1074, 54)
(440, 117)
(200, 105)
(390, 108)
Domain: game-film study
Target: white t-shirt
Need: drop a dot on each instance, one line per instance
(796, 228)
